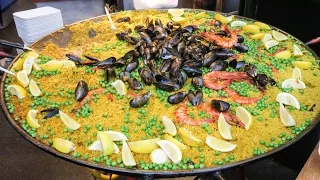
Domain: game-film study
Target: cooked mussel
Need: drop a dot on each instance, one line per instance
(140, 100)
(107, 62)
(50, 112)
(192, 71)
(209, 58)
(224, 53)
(81, 90)
(241, 47)
(146, 75)
(109, 73)
(240, 38)
(164, 83)
(124, 76)
(262, 80)
(219, 105)
(197, 81)
(139, 28)
(120, 62)
(166, 65)
(195, 98)
(124, 19)
(218, 66)
(134, 84)
(121, 35)
(132, 66)
(177, 97)
(74, 58)
(217, 23)
(190, 28)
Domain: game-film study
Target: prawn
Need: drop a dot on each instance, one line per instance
(224, 42)
(181, 115)
(221, 79)
(240, 99)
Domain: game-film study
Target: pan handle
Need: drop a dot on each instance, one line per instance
(11, 44)
(313, 41)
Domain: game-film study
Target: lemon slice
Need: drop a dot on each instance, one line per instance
(297, 51)
(230, 18)
(302, 64)
(63, 145)
(169, 127)
(34, 88)
(22, 78)
(251, 28)
(176, 12)
(28, 63)
(18, 65)
(288, 99)
(286, 54)
(172, 150)
(224, 128)
(176, 142)
(267, 37)
(188, 138)
(36, 66)
(238, 23)
(144, 146)
(68, 64)
(106, 142)
(202, 14)
(31, 118)
(97, 146)
(270, 44)
(221, 18)
(158, 156)
(296, 73)
(68, 121)
(52, 65)
(293, 83)
(279, 36)
(285, 117)
(257, 36)
(120, 87)
(245, 117)
(17, 90)
(178, 19)
(219, 145)
(262, 25)
(127, 156)
(116, 136)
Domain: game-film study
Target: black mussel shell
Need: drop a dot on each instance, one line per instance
(107, 62)
(158, 23)
(177, 97)
(51, 112)
(146, 75)
(262, 79)
(120, 62)
(134, 84)
(92, 33)
(74, 58)
(193, 63)
(166, 65)
(217, 23)
(121, 35)
(132, 66)
(218, 66)
(233, 63)
(109, 73)
(240, 64)
(209, 58)
(81, 90)
(224, 53)
(241, 47)
(164, 83)
(139, 28)
(124, 76)
(197, 81)
(272, 82)
(240, 38)
(220, 106)
(192, 71)
(252, 73)
(181, 46)
(190, 28)
(140, 100)
(195, 98)
(124, 19)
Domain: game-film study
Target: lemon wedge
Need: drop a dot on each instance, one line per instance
(270, 44)
(116, 136)
(28, 63)
(219, 145)
(288, 99)
(178, 19)
(285, 117)
(262, 25)
(31, 118)
(158, 156)
(18, 65)
(238, 23)
(63, 145)
(34, 88)
(68, 121)
(22, 78)
(36, 66)
(221, 18)
(257, 36)
(176, 12)
(297, 51)
(224, 128)
(17, 90)
(106, 142)
(202, 14)
(279, 36)
(296, 73)
(176, 142)
(120, 87)
(251, 28)
(68, 64)
(302, 64)
(169, 127)
(172, 150)
(245, 117)
(97, 146)
(127, 156)
(293, 83)
(144, 146)
(188, 138)
(52, 65)
(286, 54)
(230, 18)
(267, 37)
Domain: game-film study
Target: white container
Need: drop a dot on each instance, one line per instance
(33, 14)
(155, 4)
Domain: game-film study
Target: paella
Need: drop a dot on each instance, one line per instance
(166, 90)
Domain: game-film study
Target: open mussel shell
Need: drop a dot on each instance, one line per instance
(146, 75)
(241, 47)
(218, 66)
(209, 58)
(134, 84)
(240, 38)
(124, 76)
(195, 98)
(224, 54)
(262, 80)
(132, 66)
(74, 58)
(50, 112)
(164, 83)
(177, 97)
(192, 71)
(140, 100)
(220, 106)
(81, 90)
(197, 81)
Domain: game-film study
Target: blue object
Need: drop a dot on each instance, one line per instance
(5, 4)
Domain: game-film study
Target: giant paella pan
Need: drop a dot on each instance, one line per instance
(168, 93)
